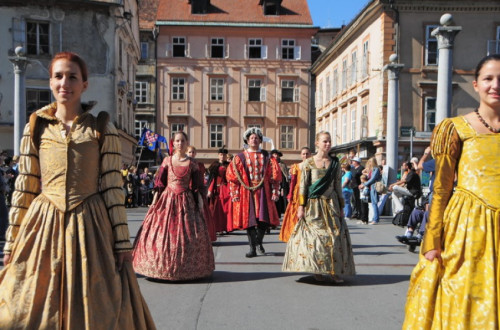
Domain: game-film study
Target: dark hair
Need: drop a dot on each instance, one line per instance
(305, 148)
(486, 59)
(184, 134)
(72, 57)
(346, 166)
(409, 164)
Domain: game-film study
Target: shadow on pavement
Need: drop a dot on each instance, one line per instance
(227, 277)
(375, 253)
(355, 246)
(358, 280)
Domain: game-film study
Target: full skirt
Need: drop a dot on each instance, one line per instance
(173, 243)
(63, 273)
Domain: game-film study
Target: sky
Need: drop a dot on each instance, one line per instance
(334, 13)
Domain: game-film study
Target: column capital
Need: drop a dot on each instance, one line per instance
(445, 35)
(20, 63)
(393, 70)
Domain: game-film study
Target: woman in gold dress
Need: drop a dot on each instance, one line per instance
(456, 283)
(67, 255)
(290, 217)
(320, 243)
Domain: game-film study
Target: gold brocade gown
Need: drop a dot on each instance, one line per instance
(66, 222)
(320, 242)
(463, 292)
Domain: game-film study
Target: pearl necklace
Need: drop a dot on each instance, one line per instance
(481, 119)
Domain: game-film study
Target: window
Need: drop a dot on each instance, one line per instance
(256, 49)
(334, 131)
(144, 50)
(364, 65)
(430, 114)
(141, 91)
(335, 82)
(178, 89)
(344, 127)
(288, 91)
(354, 68)
(327, 89)
(431, 46)
(254, 125)
(176, 127)
(36, 99)
(364, 121)
(216, 89)
(255, 90)
(288, 49)
(179, 47)
(37, 37)
(217, 48)
(216, 135)
(271, 8)
(319, 95)
(344, 74)
(286, 137)
(139, 125)
(353, 124)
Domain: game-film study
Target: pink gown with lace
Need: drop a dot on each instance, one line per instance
(173, 243)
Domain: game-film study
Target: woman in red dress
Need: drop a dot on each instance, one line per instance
(173, 243)
(218, 192)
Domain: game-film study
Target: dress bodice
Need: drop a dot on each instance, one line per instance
(179, 177)
(479, 168)
(69, 165)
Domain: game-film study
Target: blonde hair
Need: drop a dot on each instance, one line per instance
(191, 147)
(322, 133)
(371, 163)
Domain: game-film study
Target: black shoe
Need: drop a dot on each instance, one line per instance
(402, 239)
(251, 254)
(261, 249)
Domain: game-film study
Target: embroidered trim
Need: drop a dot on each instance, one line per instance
(238, 176)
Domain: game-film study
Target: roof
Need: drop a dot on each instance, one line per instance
(147, 14)
(292, 12)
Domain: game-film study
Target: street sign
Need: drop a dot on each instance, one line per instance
(423, 135)
(405, 130)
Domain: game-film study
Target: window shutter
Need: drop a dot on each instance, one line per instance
(263, 94)
(168, 52)
(296, 94)
(19, 32)
(264, 52)
(278, 53)
(297, 50)
(245, 52)
(207, 55)
(227, 51)
(187, 51)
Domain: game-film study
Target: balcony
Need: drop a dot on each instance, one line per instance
(255, 109)
(288, 110)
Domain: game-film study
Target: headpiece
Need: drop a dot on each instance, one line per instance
(275, 151)
(250, 131)
(223, 150)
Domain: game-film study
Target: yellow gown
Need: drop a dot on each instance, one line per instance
(463, 292)
(66, 222)
(290, 217)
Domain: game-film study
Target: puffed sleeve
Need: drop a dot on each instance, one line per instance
(305, 182)
(161, 177)
(446, 147)
(338, 186)
(232, 178)
(27, 187)
(111, 188)
(293, 180)
(275, 176)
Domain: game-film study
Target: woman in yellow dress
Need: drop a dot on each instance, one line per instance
(456, 284)
(320, 243)
(290, 217)
(67, 253)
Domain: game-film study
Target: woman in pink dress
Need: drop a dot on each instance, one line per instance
(218, 192)
(173, 243)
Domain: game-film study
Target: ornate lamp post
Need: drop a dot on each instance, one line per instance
(20, 62)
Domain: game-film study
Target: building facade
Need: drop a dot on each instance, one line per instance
(224, 68)
(351, 93)
(104, 32)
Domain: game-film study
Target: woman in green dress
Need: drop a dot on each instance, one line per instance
(320, 243)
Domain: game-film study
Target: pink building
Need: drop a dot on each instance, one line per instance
(226, 66)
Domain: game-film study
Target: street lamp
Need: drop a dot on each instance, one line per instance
(20, 61)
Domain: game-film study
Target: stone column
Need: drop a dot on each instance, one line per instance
(392, 140)
(20, 62)
(445, 35)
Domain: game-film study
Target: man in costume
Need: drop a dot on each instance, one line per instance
(282, 202)
(254, 180)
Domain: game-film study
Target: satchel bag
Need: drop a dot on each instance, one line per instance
(380, 187)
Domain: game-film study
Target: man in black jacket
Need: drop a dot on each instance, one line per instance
(356, 171)
(413, 187)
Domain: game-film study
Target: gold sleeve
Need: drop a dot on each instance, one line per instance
(305, 182)
(27, 187)
(446, 147)
(111, 188)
